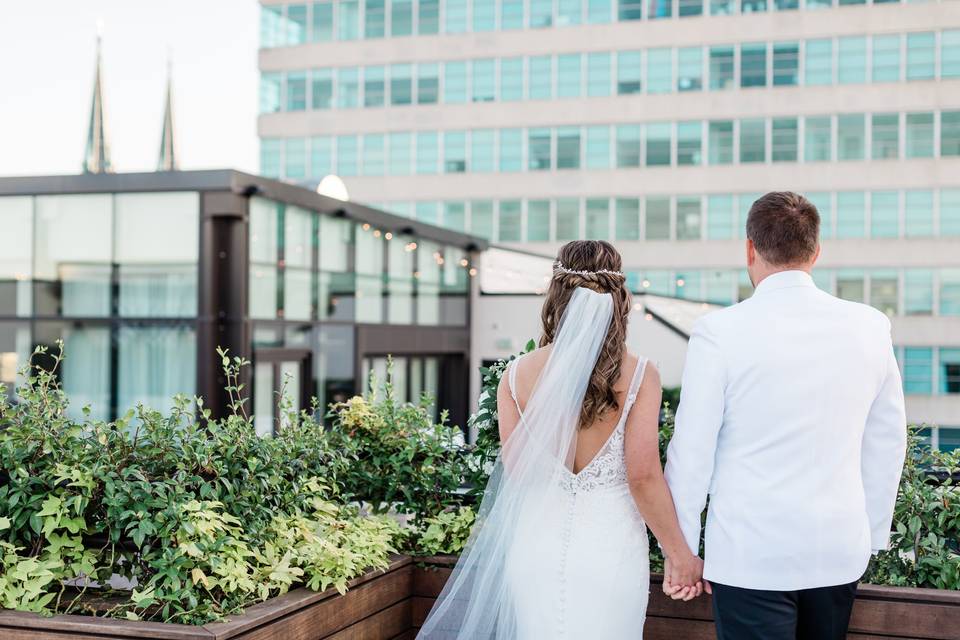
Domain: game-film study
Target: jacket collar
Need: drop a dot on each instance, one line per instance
(784, 280)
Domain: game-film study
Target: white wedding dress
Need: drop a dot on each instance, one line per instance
(582, 569)
(554, 554)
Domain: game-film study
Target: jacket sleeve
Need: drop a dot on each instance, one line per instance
(883, 453)
(691, 453)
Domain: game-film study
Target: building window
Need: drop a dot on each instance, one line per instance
(818, 139)
(322, 89)
(657, 218)
(659, 144)
(628, 146)
(374, 86)
(599, 78)
(401, 17)
(723, 7)
(84, 375)
(401, 84)
(455, 16)
(918, 370)
(455, 82)
(949, 370)
(400, 154)
(850, 285)
(348, 19)
(348, 155)
(348, 88)
(455, 216)
(271, 157)
(786, 64)
(428, 152)
(950, 54)
(271, 26)
(598, 147)
(918, 292)
(886, 136)
(885, 214)
(918, 214)
(919, 138)
(884, 291)
(568, 219)
(948, 439)
(818, 61)
(454, 151)
(627, 222)
(886, 58)
(689, 143)
(511, 150)
(690, 69)
(484, 15)
(721, 68)
(753, 65)
(950, 292)
(428, 83)
(950, 133)
(538, 221)
(295, 158)
(853, 60)
(509, 221)
(374, 154)
(482, 151)
(541, 13)
(511, 14)
(688, 8)
(824, 204)
(481, 218)
(720, 142)
(296, 91)
(270, 92)
(264, 239)
(428, 17)
(568, 148)
(659, 70)
(16, 270)
(950, 212)
(628, 72)
(851, 136)
(511, 79)
(921, 56)
(569, 12)
(720, 225)
(374, 19)
(784, 140)
(539, 149)
(597, 219)
(568, 76)
(753, 140)
(484, 80)
(851, 218)
(540, 84)
(688, 218)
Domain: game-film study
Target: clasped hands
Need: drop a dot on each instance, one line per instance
(683, 578)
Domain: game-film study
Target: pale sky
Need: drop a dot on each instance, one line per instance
(47, 53)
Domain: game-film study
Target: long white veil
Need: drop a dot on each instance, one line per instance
(476, 601)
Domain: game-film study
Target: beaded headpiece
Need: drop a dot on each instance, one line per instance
(562, 269)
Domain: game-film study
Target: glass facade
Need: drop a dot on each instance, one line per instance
(600, 74)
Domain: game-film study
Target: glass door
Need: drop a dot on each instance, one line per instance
(281, 384)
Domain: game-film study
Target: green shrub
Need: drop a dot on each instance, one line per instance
(203, 515)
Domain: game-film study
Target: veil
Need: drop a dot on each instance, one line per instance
(476, 602)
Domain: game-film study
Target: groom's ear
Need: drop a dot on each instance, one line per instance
(751, 253)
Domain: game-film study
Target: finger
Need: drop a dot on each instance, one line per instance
(678, 595)
(708, 587)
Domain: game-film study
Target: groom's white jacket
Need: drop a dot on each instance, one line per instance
(791, 417)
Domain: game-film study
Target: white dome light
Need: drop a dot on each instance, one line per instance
(333, 187)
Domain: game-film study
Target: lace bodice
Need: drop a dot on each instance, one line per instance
(608, 468)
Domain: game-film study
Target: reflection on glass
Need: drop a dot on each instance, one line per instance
(429, 261)
(155, 364)
(85, 371)
(263, 400)
(264, 256)
(156, 247)
(73, 255)
(16, 253)
(369, 259)
(15, 350)
(400, 268)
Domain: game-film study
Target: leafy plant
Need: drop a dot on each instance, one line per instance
(444, 533)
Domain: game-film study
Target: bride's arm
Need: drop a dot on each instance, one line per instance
(648, 487)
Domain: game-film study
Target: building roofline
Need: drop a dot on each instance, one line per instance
(236, 182)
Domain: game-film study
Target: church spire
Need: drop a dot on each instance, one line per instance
(168, 159)
(96, 158)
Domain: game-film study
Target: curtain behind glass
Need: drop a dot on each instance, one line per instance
(155, 363)
(85, 372)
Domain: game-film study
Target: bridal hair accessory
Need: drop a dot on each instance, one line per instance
(562, 269)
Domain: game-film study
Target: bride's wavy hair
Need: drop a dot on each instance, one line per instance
(596, 265)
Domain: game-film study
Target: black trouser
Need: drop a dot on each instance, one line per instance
(808, 614)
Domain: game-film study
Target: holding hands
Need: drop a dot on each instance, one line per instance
(683, 577)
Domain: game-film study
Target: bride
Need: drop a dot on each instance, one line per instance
(559, 549)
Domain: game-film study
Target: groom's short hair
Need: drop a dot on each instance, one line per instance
(784, 227)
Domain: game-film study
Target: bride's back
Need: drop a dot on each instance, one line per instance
(590, 438)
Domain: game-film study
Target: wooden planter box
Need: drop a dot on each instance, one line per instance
(880, 613)
(391, 605)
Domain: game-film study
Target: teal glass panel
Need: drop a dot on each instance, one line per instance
(721, 68)
(568, 147)
(949, 372)
(818, 141)
(428, 17)
(629, 71)
(321, 156)
(484, 15)
(753, 65)
(597, 219)
(539, 147)
(401, 84)
(374, 154)
(374, 86)
(540, 82)
(569, 78)
(628, 146)
(950, 53)
(512, 14)
(886, 58)
(627, 219)
(753, 140)
(401, 17)
(919, 135)
(918, 292)
(484, 86)
(884, 214)
(657, 217)
(818, 61)
(885, 131)
(950, 212)
(482, 159)
(852, 60)
(509, 216)
(720, 218)
(921, 56)
(511, 79)
(851, 217)
(918, 214)
(786, 64)
(455, 16)
(659, 142)
(348, 88)
(950, 133)
(295, 159)
(400, 161)
(659, 70)
(824, 204)
(538, 220)
(690, 69)
(428, 152)
(784, 140)
(918, 370)
(454, 151)
(720, 142)
(599, 76)
(950, 292)
(598, 148)
(568, 219)
(428, 83)
(689, 143)
(511, 150)
(455, 82)
(851, 136)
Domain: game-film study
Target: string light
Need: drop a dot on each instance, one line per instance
(473, 271)
(376, 233)
(388, 236)
(464, 262)
(366, 226)
(646, 284)
(680, 282)
(648, 317)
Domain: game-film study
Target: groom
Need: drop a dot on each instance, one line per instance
(791, 419)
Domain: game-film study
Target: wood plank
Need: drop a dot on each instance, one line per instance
(428, 581)
(915, 620)
(380, 626)
(672, 629)
(329, 616)
(662, 605)
(18, 623)
(27, 634)
(367, 594)
(908, 594)
(419, 609)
